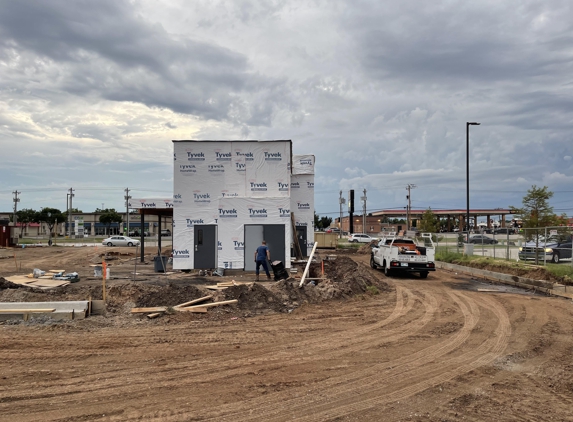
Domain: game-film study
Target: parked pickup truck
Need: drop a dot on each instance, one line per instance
(400, 254)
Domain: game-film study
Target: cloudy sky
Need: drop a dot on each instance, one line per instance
(93, 92)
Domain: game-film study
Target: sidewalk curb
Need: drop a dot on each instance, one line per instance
(512, 280)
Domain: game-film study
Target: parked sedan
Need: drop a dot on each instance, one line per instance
(362, 238)
(480, 239)
(120, 241)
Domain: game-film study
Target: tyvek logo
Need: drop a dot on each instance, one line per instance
(222, 156)
(301, 224)
(202, 198)
(146, 205)
(195, 156)
(248, 156)
(306, 162)
(168, 204)
(303, 205)
(240, 167)
(174, 157)
(258, 187)
(191, 223)
(273, 156)
(219, 245)
(257, 212)
(181, 253)
(239, 246)
(284, 212)
(310, 185)
(228, 213)
(283, 187)
(177, 198)
(216, 168)
(187, 168)
(229, 194)
(295, 185)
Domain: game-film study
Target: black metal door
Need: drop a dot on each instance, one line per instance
(301, 236)
(274, 234)
(205, 240)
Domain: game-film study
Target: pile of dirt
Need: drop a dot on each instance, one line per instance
(4, 284)
(255, 297)
(367, 248)
(343, 278)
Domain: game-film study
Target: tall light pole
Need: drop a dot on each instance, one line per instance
(468, 124)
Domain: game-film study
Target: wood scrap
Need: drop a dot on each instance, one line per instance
(145, 310)
(192, 302)
(210, 305)
(196, 310)
(215, 288)
(154, 315)
(489, 290)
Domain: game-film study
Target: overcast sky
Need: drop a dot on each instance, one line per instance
(93, 92)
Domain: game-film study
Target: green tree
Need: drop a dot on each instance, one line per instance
(26, 216)
(321, 222)
(536, 213)
(50, 216)
(108, 217)
(429, 222)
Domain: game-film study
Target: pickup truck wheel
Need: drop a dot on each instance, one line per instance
(387, 271)
(424, 274)
(555, 258)
(372, 263)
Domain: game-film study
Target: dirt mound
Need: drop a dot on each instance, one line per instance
(4, 284)
(367, 248)
(343, 278)
(255, 297)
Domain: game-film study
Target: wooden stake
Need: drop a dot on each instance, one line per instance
(307, 265)
(201, 299)
(104, 271)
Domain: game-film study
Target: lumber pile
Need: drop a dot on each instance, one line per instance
(194, 306)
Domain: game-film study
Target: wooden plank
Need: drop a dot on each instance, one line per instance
(155, 315)
(19, 279)
(201, 299)
(215, 288)
(210, 305)
(25, 311)
(488, 290)
(145, 310)
(200, 310)
(307, 265)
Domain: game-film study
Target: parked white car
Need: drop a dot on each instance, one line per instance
(120, 241)
(360, 238)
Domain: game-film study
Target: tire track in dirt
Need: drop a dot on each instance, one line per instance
(358, 395)
(116, 378)
(335, 388)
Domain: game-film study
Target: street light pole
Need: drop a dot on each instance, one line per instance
(468, 124)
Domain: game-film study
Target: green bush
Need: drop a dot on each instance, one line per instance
(372, 290)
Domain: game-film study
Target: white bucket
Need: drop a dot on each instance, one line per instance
(97, 271)
(107, 273)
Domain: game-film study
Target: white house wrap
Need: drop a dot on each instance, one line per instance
(229, 195)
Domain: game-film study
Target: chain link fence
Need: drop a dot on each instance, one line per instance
(534, 246)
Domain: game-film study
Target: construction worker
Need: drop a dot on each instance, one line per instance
(262, 255)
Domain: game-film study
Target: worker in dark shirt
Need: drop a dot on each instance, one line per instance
(262, 254)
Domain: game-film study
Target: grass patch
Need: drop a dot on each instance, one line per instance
(561, 270)
(372, 290)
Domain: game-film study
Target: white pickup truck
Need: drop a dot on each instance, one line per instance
(400, 254)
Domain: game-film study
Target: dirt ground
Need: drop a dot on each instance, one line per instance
(356, 346)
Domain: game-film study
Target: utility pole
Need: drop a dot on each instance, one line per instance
(351, 211)
(127, 198)
(341, 201)
(363, 199)
(15, 218)
(409, 198)
(70, 195)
